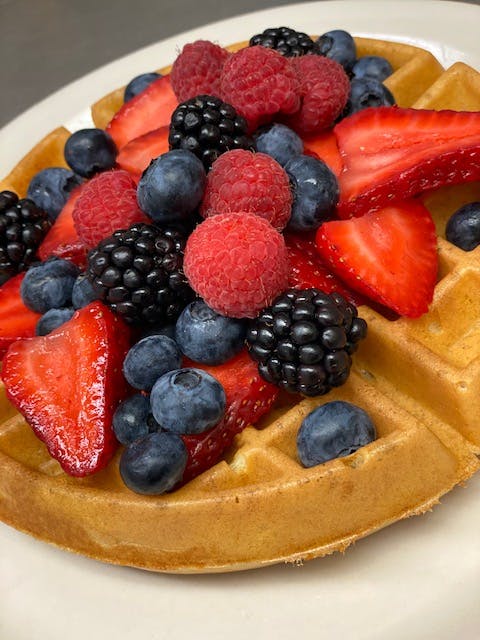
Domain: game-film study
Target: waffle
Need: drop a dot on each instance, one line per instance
(419, 380)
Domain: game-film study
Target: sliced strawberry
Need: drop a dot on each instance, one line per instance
(16, 320)
(150, 109)
(307, 270)
(137, 154)
(324, 145)
(390, 154)
(249, 397)
(67, 385)
(389, 255)
(62, 240)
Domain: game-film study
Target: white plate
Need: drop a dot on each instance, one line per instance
(416, 579)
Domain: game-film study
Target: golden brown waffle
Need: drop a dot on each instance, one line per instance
(418, 379)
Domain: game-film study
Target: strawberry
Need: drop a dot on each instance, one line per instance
(150, 109)
(391, 154)
(308, 271)
(16, 320)
(137, 154)
(62, 240)
(67, 385)
(389, 255)
(324, 146)
(249, 397)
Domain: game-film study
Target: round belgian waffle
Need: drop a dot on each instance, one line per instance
(418, 379)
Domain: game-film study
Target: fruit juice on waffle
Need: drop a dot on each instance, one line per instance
(255, 236)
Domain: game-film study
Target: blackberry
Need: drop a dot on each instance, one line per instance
(304, 341)
(208, 127)
(22, 228)
(138, 273)
(288, 42)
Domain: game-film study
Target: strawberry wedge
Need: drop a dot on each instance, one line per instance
(388, 255)
(390, 154)
(149, 110)
(137, 154)
(324, 146)
(16, 320)
(67, 385)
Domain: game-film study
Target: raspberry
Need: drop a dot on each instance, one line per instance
(237, 263)
(197, 70)
(253, 182)
(107, 203)
(324, 89)
(260, 83)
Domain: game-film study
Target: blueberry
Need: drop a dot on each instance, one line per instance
(280, 142)
(50, 189)
(139, 84)
(205, 336)
(333, 430)
(89, 151)
(374, 67)
(52, 319)
(83, 292)
(133, 419)
(154, 464)
(172, 186)
(463, 227)
(338, 45)
(368, 92)
(315, 192)
(149, 359)
(187, 401)
(49, 285)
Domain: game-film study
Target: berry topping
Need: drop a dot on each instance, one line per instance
(133, 419)
(324, 89)
(149, 110)
(16, 320)
(392, 154)
(49, 285)
(187, 401)
(138, 272)
(279, 141)
(197, 70)
(333, 430)
(372, 67)
(149, 359)
(303, 342)
(338, 45)
(52, 319)
(83, 293)
(237, 263)
(324, 147)
(49, 379)
(139, 84)
(137, 154)
(463, 227)
(205, 336)
(154, 464)
(367, 92)
(106, 203)
(251, 182)
(288, 42)
(51, 188)
(22, 228)
(315, 192)
(208, 127)
(389, 255)
(89, 151)
(172, 186)
(260, 83)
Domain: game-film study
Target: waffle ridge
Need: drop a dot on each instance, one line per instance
(418, 379)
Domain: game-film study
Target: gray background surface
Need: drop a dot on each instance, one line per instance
(44, 44)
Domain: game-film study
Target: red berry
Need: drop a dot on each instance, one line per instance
(16, 320)
(324, 89)
(253, 182)
(197, 70)
(260, 83)
(237, 263)
(137, 154)
(107, 203)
